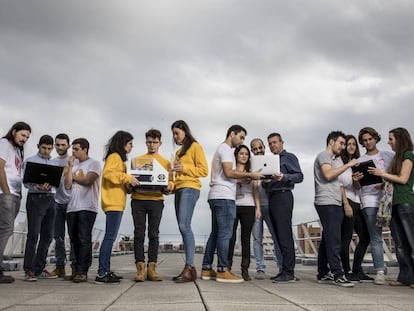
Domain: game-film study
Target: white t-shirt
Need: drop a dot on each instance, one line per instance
(13, 167)
(244, 194)
(222, 187)
(85, 198)
(62, 195)
(370, 197)
(345, 179)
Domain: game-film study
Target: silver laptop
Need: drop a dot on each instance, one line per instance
(268, 164)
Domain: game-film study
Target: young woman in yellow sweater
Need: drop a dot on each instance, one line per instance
(190, 164)
(113, 199)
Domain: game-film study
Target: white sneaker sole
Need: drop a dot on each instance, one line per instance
(229, 281)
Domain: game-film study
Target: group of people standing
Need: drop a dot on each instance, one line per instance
(345, 205)
(237, 194)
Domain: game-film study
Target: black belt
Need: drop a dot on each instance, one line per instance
(279, 191)
(42, 193)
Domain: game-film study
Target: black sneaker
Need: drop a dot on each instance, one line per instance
(4, 279)
(108, 278)
(284, 278)
(363, 278)
(276, 276)
(119, 277)
(326, 279)
(353, 277)
(342, 281)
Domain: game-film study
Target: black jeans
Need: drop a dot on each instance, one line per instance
(349, 224)
(80, 226)
(280, 211)
(402, 229)
(140, 210)
(40, 225)
(246, 216)
(330, 245)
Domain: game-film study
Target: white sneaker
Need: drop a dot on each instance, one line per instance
(380, 278)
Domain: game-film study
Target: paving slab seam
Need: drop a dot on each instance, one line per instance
(203, 301)
(119, 296)
(281, 297)
(23, 301)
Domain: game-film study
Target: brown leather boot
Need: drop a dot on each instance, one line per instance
(193, 273)
(140, 277)
(245, 269)
(187, 275)
(72, 275)
(152, 275)
(59, 271)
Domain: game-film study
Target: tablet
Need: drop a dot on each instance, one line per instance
(268, 164)
(368, 179)
(39, 173)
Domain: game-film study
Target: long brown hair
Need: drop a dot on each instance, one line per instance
(188, 139)
(403, 143)
(236, 153)
(345, 156)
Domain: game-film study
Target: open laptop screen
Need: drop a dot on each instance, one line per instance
(268, 164)
(39, 173)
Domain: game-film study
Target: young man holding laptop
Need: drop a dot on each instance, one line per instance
(40, 216)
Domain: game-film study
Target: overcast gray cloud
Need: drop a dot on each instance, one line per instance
(301, 68)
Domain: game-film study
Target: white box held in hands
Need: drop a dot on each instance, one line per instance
(152, 176)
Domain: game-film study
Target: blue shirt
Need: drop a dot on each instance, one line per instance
(292, 174)
(38, 158)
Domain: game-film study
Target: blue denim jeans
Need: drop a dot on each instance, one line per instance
(257, 233)
(9, 208)
(40, 225)
(331, 217)
(375, 234)
(59, 235)
(402, 229)
(113, 221)
(223, 214)
(185, 201)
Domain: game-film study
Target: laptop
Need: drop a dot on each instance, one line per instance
(39, 173)
(268, 164)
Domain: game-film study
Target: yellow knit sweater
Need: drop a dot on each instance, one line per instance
(114, 181)
(152, 196)
(194, 166)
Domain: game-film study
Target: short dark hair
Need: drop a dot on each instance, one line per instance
(82, 142)
(46, 140)
(153, 133)
(63, 136)
(274, 134)
(370, 131)
(334, 135)
(235, 129)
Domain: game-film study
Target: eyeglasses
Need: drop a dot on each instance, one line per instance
(149, 142)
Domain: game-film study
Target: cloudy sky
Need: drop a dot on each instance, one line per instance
(301, 68)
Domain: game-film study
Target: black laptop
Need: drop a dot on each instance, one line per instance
(368, 179)
(39, 173)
